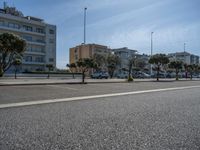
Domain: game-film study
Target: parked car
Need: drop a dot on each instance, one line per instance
(122, 75)
(160, 75)
(99, 75)
(141, 74)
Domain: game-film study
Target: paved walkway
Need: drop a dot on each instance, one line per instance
(35, 81)
(39, 81)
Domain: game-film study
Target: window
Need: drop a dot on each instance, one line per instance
(39, 59)
(75, 51)
(76, 57)
(28, 59)
(13, 25)
(51, 31)
(51, 60)
(28, 38)
(39, 30)
(40, 41)
(1, 23)
(27, 28)
(51, 41)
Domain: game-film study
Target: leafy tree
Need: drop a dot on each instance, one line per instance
(159, 60)
(17, 62)
(10, 47)
(177, 65)
(139, 63)
(112, 62)
(50, 67)
(72, 68)
(192, 69)
(100, 60)
(84, 65)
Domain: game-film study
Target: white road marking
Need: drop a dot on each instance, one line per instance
(30, 103)
(62, 87)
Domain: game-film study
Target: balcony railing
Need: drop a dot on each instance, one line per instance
(21, 30)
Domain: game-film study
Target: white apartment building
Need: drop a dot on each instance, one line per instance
(124, 54)
(185, 57)
(40, 38)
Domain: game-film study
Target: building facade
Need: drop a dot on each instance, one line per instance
(87, 51)
(40, 38)
(124, 54)
(185, 57)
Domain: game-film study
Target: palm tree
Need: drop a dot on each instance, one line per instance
(10, 47)
(72, 67)
(100, 60)
(177, 65)
(192, 68)
(112, 62)
(84, 65)
(159, 60)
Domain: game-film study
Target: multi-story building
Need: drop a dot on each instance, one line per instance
(87, 51)
(124, 54)
(40, 38)
(185, 57)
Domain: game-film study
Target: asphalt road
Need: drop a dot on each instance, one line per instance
(14, 94)
(151, 121)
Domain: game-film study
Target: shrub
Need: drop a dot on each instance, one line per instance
(130, 79)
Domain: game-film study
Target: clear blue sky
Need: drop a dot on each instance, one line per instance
(120, 23)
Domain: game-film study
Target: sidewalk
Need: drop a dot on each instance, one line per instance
(36, 81)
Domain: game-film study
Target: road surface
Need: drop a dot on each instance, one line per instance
(156, 120)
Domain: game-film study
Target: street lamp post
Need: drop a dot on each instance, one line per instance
(84, 41)
(151, 49)
(184, 52)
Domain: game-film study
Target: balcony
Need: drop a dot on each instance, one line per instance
(21, 30)
(35, 52)
(33, 63)
(41, 43)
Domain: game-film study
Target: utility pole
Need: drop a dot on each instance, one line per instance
(151, 49)
(184, 52)
(84, 41)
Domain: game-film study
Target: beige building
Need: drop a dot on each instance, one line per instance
(40, 38)
(87, 51)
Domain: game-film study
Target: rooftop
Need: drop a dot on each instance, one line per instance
(14, 12)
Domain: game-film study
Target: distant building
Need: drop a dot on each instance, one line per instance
(40, 38)
(124, 54)
(185, 57)
(87, 51)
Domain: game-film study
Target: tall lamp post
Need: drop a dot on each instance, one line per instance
(184, 52)
(84, 41)
(151, 49)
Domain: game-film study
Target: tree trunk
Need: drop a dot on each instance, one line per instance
(186, 74)
(176, 75)
(129, 72)
(73, 75)
(158, 71)
(1, 71)
(83, 77)
(15, 73)
(48, 74)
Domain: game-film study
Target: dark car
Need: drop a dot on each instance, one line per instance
(100, 75)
